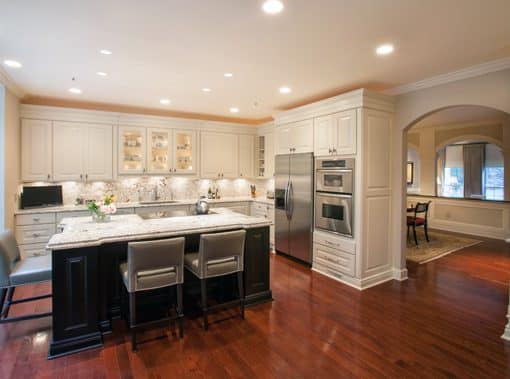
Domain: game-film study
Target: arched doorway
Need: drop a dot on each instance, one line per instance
(460, 114)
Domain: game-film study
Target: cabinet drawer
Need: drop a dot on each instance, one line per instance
(335, 259)
(30, 234)
(335, 242)
(63, 215)
(35, 218)
(33, 250)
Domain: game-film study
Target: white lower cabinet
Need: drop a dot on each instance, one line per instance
(33, 231)
(334, 255)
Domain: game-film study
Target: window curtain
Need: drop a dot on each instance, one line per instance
(474, 160)
(440, 165)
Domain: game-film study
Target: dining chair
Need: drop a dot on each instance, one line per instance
(15, 272)
(419, 218)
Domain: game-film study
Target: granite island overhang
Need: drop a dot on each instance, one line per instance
(85, 268)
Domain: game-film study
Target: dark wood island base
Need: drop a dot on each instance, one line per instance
(87, 288)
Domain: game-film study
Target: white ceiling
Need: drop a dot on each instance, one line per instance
(461, 115)
(172, 49)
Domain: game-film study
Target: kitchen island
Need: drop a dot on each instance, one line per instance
(85, 268)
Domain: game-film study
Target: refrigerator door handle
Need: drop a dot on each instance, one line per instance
(287, 200)
(290, 199)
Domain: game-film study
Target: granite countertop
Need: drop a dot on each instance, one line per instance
(74, 208)
(82, 231)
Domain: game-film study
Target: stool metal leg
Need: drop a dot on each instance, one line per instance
(240, 285)
(3, 293)
(132, 319)
(7, 305)
(203, 290)
(180, 314)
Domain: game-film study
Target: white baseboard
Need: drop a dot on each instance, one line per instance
(506, 334)
(473, 230)
(359, 284)
(400, 274)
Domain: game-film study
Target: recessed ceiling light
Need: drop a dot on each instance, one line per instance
(105, 52)
(206, 90)
(228, 75)
(165, 101)
(272, 6)
(75, 90)
(285, 89)
(101, 73)
(234, 110)
(11, 63)
(385, 49)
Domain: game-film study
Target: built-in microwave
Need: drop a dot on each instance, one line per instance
(334, 175)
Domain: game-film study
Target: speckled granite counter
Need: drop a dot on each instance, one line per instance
(83, 232)
(74, 208)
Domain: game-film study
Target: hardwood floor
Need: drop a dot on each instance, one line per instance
(445, 321)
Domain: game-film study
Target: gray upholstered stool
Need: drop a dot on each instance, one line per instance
(219, 254)
(152, 265)
(15, 272)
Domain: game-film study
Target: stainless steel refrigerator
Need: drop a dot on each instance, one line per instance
(294, 205)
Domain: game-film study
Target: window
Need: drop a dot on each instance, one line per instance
(474, 170)
(453, 182)
(494, 173)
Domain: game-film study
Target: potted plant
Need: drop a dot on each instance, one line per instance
(102, 211)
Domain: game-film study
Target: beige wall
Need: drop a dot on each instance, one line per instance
(491, 90)
(12, 155)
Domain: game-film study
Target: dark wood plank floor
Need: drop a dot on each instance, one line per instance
(445, 321)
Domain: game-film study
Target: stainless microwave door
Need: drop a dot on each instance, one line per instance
(333, 213)
(335, 181)
(301, 206)
(282, 175)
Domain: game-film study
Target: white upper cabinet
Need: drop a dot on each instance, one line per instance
(324, 135)
(36, 150)
(98, 152)
(82, 151)
(132, 150)
(264, 156)
(185, 152)
(68, 151)
(345, 127)
(335, 134)
(218, 155)
(246, 156)
(160, 150)
(296, 137)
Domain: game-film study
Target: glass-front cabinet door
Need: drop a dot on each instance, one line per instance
(185, 161)
(132, 150)
(159, 151)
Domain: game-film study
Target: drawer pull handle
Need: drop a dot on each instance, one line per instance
(36, 219)
(36, 235)
(332, 244)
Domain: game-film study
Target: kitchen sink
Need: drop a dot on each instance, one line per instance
(168, 214)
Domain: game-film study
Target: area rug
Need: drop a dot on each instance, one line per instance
(440, 245)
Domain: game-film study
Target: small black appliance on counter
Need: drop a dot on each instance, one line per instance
(41, 196)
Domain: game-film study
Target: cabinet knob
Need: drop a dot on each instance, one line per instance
(86, 176)
(36, 219)
(35, 235)
(49, 176)
(81, 176)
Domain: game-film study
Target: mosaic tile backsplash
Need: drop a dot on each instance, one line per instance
(168, 188)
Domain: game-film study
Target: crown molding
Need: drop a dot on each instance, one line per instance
(349, 100)
(465, 73)
(7, 81)
(41, 112)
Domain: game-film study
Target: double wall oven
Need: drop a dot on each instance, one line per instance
(334, 188)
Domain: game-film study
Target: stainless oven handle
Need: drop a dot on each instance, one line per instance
(339, 195)
(341, 170)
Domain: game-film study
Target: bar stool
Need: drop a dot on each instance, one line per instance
(152, 265)
(219, 254)
(15, 272)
